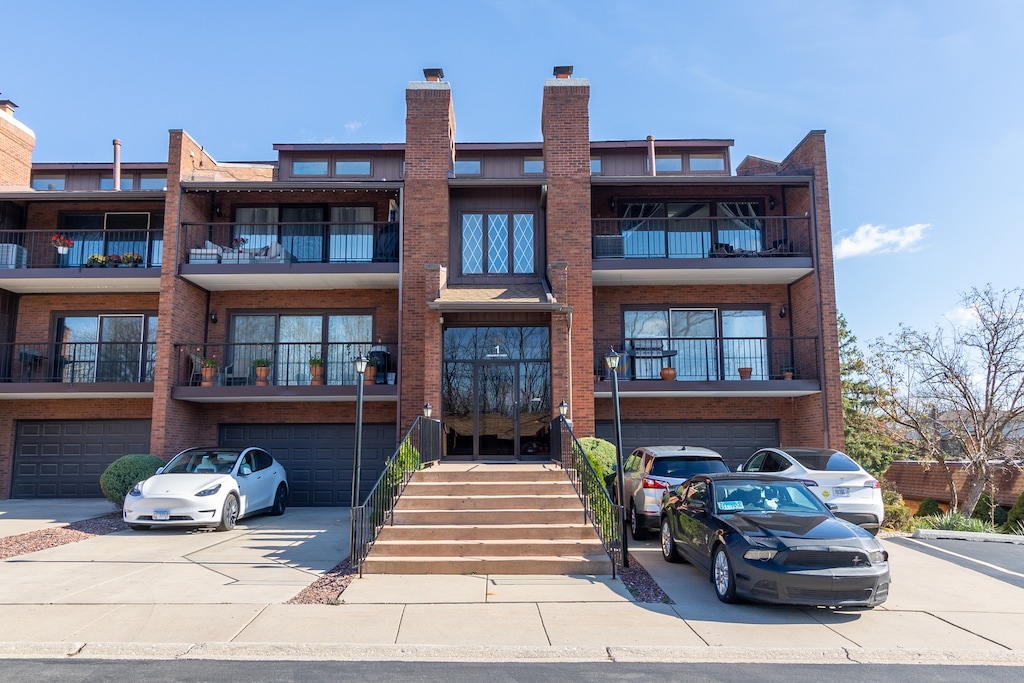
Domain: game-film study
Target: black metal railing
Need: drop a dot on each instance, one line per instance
(701, 238)
(422, 444)
(705, 359)
(77, 362)
(308, 242)
(598, 507)
(284, 364)
(81, 248)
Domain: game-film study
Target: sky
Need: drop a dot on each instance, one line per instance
(921, 101)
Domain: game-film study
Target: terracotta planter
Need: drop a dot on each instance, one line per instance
(745, 372)
(788, 374)
(371, 375)
(208, 374)
(262, 376)
(316, 374)
(668, 374)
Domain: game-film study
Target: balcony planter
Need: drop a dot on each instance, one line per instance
(787, 374)
(316, 375)
(262, 375)
(668, 374)
(371, 374)
(63, 250)
(209, 374)
(745, 372)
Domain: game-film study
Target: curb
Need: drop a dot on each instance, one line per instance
(938, 534)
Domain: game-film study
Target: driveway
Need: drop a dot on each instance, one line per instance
(22, 516)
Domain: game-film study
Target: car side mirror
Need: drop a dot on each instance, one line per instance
(698, 506)
(245, 470)
(159, 470)
(739, 468)
(832, 507)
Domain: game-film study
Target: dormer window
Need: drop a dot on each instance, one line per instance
(467, 167)
(309, 167)
(352, 167)
(533, 165)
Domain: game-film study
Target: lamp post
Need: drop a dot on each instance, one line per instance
(360, 363)
(563, 408)
(611, 361)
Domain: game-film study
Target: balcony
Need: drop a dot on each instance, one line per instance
(231, 256)
(680, 251)
(96, 260)
(710, 367)
(251, 372)
(77, 370)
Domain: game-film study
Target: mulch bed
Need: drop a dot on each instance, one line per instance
(33, 541)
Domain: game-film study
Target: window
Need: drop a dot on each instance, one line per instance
(467, 167)
(595, 165)
(309, 167)
(106, 348)
(352, 167)
(114, 233)
(497, 243)
(671, 163)
(152, 182)
(107, 182)
(533, 164)
(48, 182)
(707, 162)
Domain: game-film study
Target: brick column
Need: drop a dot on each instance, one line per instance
(16, 144)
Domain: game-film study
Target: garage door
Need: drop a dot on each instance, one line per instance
(56, 459)
(318, 458)
(736, 441)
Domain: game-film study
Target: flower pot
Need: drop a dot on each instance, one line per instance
(262, 376)
(63, 250)
(745, 372)
(209, 374)
(371, 375)
(316, 374)
(788, 374)
(668, 374)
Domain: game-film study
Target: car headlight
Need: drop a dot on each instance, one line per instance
(878, 556)
(210, 491)
(762, 554)
(136, 490)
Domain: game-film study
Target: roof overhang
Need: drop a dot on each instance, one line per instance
(84, 195)
(207, 186)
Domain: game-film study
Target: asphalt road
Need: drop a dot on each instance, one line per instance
(69, 671)
(1003, 561)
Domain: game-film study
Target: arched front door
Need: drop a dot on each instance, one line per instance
(496, 392)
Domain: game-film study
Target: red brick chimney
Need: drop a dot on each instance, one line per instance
(16, 144)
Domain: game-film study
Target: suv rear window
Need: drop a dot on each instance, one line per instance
(832, 462)
(684, 468)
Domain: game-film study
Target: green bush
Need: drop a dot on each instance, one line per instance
(898, 518)
(988, 511)
(601, 454)
(1016, 513)
(124, 473)
(954, 521)
(929, 507)
(892, 497)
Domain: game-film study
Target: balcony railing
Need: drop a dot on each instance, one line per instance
(248, 244)
(709, 359)
(284, 364)
(78, 362)
(87, 248)
(701, 238)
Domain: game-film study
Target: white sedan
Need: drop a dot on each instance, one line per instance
(208, 487)
(833, 476)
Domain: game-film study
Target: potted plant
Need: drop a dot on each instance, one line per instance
(209, 370)
(131, 259)
(95, 261)
(113, 261)
(745, 373)
(262, 366)
(371, 370)
(787, 372)
(62, 243)
(316, 370)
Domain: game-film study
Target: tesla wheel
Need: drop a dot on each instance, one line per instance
(635, 526)
(722, 576)
(229, 515)
(279, 503)
(668, 546)
(138, 527)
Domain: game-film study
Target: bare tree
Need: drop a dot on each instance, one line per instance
(958, 393)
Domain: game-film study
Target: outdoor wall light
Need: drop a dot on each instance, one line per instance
(428, 410)
(563, 408)
(771, 203)
(782, 311)
(213, 318)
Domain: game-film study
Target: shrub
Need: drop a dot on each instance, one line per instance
(1016, 513)
(988, 511)
(954, 521)
(601, 454)
(124, 473)
(892, 497)
(929, 507)
(898, 518)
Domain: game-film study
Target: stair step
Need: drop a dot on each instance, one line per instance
(477, 502)
(491, 473)
(519, 548)
(594, 564)
(483, 532)
(479, 517)
(489, 488)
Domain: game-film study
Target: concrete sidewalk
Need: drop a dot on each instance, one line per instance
(221, 595)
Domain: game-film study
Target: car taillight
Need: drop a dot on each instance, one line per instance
(654, 484)
(808, 482)
(872, 484)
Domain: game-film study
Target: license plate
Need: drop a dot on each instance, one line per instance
(840, 491)
(161, 515)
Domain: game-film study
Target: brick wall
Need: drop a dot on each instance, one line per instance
(16, 144)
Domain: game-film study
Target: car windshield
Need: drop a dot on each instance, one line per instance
(759, 496)
(202, 462)
(684, 468)
(824, 460)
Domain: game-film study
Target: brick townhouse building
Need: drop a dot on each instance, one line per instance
(149, 307)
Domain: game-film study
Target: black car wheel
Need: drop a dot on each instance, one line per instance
(229, 515)
(279, 503)
(635, 525)
(722, 576)
(668, 546)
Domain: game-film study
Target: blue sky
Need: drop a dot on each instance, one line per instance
(921, 101)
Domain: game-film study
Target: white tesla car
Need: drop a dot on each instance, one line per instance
(833, 476)
(208, 487)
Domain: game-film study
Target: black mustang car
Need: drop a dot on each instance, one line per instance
(768, 538)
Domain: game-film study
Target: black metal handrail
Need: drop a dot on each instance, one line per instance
(701, 238)
(598, 507)
(278, 242)
(81, 248)
(422, 444)
(78, 362)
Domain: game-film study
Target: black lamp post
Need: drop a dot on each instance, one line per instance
(611, 361)
(360, 363)
(563, 408)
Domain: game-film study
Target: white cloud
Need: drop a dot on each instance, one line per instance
(877, 239)
(353, 126)
(961, 316)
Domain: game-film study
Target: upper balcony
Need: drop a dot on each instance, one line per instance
(309, 255)
(56, 261)
(706, 250)
(37, 370)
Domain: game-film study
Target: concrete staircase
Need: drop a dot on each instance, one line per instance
(470, 518)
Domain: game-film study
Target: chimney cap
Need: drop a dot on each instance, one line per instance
(563, 71)
(433, 74)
